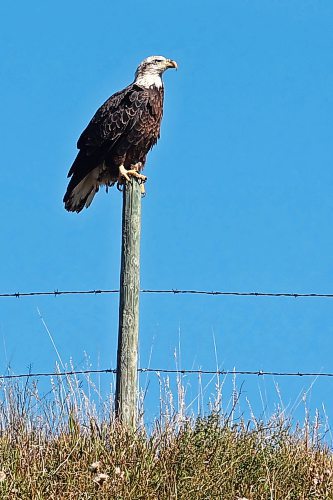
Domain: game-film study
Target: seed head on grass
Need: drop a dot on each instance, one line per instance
(101, 478)
(118, 472)
(95, 466)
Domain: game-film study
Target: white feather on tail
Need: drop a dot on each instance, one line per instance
(85, 190)
(83, 193)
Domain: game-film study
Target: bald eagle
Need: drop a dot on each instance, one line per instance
(115, 143)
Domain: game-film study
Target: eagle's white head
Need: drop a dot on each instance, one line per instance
(151, 69)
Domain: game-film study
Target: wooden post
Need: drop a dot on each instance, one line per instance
(128, 334)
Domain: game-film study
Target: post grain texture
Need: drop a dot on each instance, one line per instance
(127, 356)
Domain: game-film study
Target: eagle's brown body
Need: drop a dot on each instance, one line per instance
(119, 135)
(121, 132)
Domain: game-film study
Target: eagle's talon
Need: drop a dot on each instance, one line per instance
(142, 179)
(134, 173)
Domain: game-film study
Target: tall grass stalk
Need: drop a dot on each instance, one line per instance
(67, 444)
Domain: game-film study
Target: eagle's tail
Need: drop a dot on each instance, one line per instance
(80, 194)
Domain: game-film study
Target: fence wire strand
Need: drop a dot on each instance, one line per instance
(259, 373)
(174, 291)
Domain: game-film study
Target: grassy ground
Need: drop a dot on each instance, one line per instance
(63, 448)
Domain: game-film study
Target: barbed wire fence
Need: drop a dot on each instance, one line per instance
(173, 291)
(258, 373)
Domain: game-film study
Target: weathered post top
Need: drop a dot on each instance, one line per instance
(127, 355)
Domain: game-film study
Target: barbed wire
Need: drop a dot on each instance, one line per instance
(258, 373)
(173, 291)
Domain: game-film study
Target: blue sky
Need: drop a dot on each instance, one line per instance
(239, 192)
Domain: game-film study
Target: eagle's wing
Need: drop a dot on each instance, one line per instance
(110, 126)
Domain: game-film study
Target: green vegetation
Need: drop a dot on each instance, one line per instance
(64, 448)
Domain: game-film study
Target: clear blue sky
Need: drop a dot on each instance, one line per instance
(239, 189)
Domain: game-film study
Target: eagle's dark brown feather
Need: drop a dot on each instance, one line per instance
(121, 132)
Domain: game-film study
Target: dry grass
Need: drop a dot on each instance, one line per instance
(67, 447)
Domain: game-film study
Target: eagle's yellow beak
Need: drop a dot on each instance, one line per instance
(172, 64)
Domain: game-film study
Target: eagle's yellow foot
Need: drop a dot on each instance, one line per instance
(124, 175)
(134, 173)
